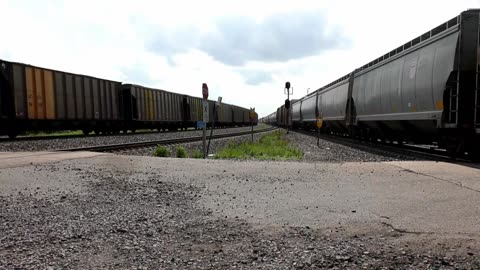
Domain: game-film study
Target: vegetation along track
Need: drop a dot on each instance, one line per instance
(123, 146)
(407, 150)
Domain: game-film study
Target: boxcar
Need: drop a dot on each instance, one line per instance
(34, 98)
(151, 108)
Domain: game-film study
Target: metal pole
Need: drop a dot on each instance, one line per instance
(252, 128)
(211, 129)
(204, 140)
(318, 136)
(204, 133)
(288, 110)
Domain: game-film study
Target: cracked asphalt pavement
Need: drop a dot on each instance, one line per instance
(125, 212)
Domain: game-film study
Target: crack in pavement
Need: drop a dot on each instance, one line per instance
(404, 230)
(438, 178)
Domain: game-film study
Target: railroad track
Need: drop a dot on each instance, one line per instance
(124, 146)
(53, 137)
(408, 150)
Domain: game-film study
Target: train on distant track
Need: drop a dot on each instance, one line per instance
(34, 98)
(425, 91)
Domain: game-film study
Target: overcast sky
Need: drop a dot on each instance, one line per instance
(244, 50)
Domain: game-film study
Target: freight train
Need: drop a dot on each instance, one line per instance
(425, 91)
(34, 98)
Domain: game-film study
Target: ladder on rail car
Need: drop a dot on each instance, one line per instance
(476, 116)
(452, 116)
(477, 100)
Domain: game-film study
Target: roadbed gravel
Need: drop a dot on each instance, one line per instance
(326, 151)
(77, 142)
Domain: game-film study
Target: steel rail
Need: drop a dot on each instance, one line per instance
(112, 147)
(76, 136)
(383, 148)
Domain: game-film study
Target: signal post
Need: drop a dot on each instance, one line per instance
(287, 102)
(205, 117)
(252, 118)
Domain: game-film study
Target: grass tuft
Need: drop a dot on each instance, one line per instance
(196, 154)
(181, 152)
(161, 151)
(52, 133)
(273, 146)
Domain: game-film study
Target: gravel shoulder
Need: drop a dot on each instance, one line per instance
(156, 213)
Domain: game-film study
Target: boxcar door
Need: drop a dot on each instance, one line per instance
(5, 97)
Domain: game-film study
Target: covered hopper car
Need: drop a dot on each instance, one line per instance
(425, 91)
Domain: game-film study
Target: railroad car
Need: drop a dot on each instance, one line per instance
(269, 119)
(34, 98)
(152, 108)
(282, 118)
(238, 116)
(425, 91)
(296, 113)
(225, 115)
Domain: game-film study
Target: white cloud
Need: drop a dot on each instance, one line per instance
(112, 39)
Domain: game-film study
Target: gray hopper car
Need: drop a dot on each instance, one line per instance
(427, 90)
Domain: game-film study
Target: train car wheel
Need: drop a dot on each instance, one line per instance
(473, 148)
(474, 154)
(12, 135)
(453, 146)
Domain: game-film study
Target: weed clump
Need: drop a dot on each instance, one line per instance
(196, 154)
(181, 152)
(161, 151)
(273, 146)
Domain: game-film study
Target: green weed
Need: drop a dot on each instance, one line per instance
(273, 146)
(161, 151)
(181, 152)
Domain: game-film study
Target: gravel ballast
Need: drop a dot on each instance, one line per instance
(215, 146)
(77, 142)
(327, 151)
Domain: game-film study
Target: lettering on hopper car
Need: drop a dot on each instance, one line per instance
(319, 122)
